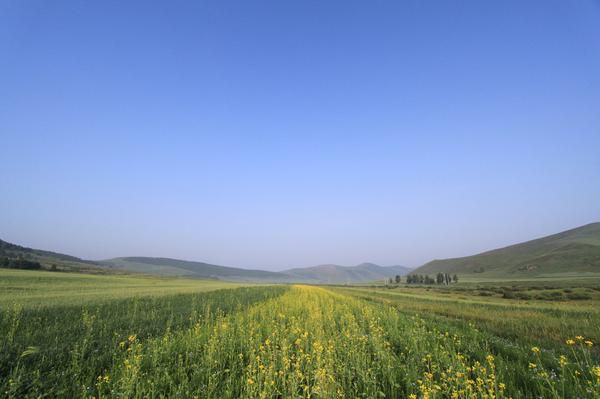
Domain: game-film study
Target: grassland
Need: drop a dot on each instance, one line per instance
(43, 288)
(526, 312)
(299, 342)
(574, 252)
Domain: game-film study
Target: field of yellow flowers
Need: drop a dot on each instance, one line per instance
(294, 342)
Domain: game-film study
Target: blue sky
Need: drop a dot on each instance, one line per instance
(290, 133)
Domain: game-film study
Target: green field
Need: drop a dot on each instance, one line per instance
(42, 288)
(89, 336)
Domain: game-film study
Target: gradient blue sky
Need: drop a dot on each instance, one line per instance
(290, 133)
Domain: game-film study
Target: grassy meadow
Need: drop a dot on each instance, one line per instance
(43, 288)
(151, 337)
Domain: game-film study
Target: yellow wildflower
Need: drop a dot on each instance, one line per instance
(535, 349)
(563, 360)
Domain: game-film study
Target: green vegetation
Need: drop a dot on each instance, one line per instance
(43, 288)
(157, 337)
(167, 266)
(336, 274)
(575, 251)
(526, 312)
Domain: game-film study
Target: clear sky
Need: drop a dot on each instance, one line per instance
(291, 133)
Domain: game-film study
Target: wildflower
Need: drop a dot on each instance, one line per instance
(596, 371)
(562, 360)
(579, 338)
(412, 396)
(502, 386)
(250, 381)
(589, 343)
(570, 342)
(532, 365)
(535, 349)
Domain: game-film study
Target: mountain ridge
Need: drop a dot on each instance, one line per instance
(573, 250)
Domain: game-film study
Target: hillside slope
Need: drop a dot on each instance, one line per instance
(47, 259)
(176, 267)
(336, 274)
(572, 251)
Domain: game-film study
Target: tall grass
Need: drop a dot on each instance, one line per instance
(313, 343)
(59, 351)
(276, 342)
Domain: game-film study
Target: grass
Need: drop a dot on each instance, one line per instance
(532, 313)
(44, 288)
(295, 342)
(576, 250)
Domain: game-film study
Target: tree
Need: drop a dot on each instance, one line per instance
(455, 278)
(439, 278)
(398, 279)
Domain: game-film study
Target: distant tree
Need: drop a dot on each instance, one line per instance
(20, 263)
(398, 279)
(439, 278)
(455, 278)
(421, 279)
(391, 280)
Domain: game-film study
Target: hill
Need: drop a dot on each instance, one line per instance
(572, 251)
(176, 267)
(322, 274)
(336, 274)
(47, 259)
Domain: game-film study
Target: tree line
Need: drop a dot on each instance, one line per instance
(440, 278)
(19, 263)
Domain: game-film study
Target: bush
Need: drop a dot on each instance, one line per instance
(523, 295)
(576, 296)
(508, 295)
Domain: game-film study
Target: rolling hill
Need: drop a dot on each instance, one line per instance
(323, 274)
(47, 259)
(572, 251)
(176, 267)
(336, 274)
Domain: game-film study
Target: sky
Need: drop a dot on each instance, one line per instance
(275, 134)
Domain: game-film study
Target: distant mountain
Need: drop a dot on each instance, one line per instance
(176, 267)
(336, 274)
(324, 274)
(572, 251)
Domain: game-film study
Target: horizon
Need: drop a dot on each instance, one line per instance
(282, 269)
(274, 136)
